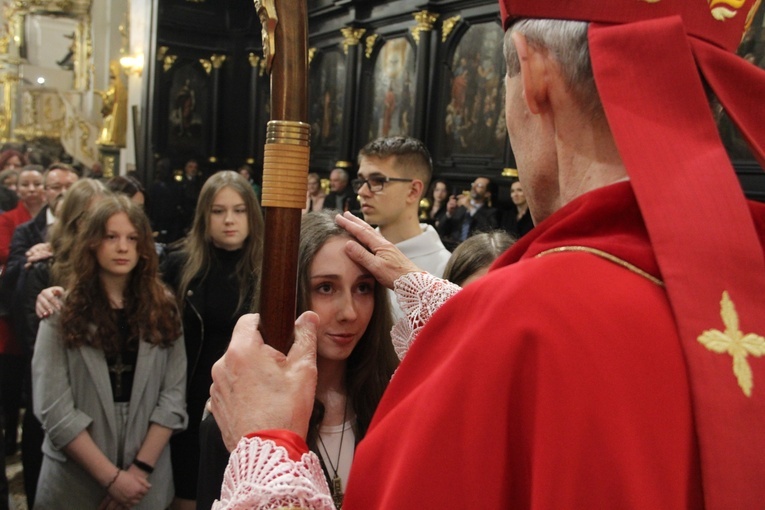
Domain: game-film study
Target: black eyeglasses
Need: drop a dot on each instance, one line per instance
(375, 183)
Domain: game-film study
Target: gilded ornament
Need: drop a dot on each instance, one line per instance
(311, 54)
(254, 60)
(168, 62)
(161, 52)
(370, 44)
(268, 19)
(84, 139)
(732, 341)
(448, 25)
(425, 21)
(217, 60)
(206, 64)
(351, 37)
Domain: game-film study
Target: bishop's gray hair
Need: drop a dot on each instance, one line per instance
(566, 41)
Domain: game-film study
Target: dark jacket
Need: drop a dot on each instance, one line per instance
(24, 237)
(484, 220)
(346, 199)
(193, 325)
(516, 227)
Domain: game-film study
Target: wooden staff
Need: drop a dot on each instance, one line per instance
(285, 164)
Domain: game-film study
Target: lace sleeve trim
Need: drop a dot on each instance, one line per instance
(419, 295)
(260, 475)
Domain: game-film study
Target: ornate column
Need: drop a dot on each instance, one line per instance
(11, 33)
(212, 67)
(424, 36)
(351, 38)
(9, 80)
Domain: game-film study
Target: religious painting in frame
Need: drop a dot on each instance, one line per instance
(187, 110)
(752, 49)
(474, 117)
(326, 99)
(393, 89)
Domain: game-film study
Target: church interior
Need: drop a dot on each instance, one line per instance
(126, 83)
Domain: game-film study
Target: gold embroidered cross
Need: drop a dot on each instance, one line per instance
(735, 343)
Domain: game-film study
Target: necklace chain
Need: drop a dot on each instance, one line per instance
(337, 482)
(340, 449)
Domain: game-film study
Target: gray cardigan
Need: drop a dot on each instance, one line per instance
(72, 392)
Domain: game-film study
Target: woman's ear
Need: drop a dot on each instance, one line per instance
(534, 69)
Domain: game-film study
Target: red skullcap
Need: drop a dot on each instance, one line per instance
(648, 59)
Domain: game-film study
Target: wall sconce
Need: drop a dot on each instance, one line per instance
(132, 64)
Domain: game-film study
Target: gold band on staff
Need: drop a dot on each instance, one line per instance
(285, 164)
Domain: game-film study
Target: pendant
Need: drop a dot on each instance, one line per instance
(337, 491)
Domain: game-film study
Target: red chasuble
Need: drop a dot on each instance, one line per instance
(556, 381)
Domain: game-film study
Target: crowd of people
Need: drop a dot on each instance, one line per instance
(455, 216)
(92, 301)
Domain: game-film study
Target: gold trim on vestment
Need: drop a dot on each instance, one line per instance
(605, 255)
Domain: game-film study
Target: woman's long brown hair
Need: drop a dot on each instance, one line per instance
(87, 317)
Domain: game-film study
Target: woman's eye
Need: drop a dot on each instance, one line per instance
(324, 288)
(241, 210)
(366, 288)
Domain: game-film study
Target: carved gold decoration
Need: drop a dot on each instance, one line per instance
(124, 30)
(448, 25)
(254, 60)
(61, 7)
(217, 61)
(732, 341)
(509, 172)
(161, 52)
(311, 54)
(370, 45)
(109, 165)
(212, 159)
(206, 64)
(262, 67)
(42, 114)
(425, 21)
(351, 37)
(85, 135)
(9, 79)
(168, 62)
(78, 135)
(268, 19)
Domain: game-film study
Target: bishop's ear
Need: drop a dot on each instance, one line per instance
(534, 72)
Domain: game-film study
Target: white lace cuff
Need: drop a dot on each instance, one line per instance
(260, 475)
(419, 295)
